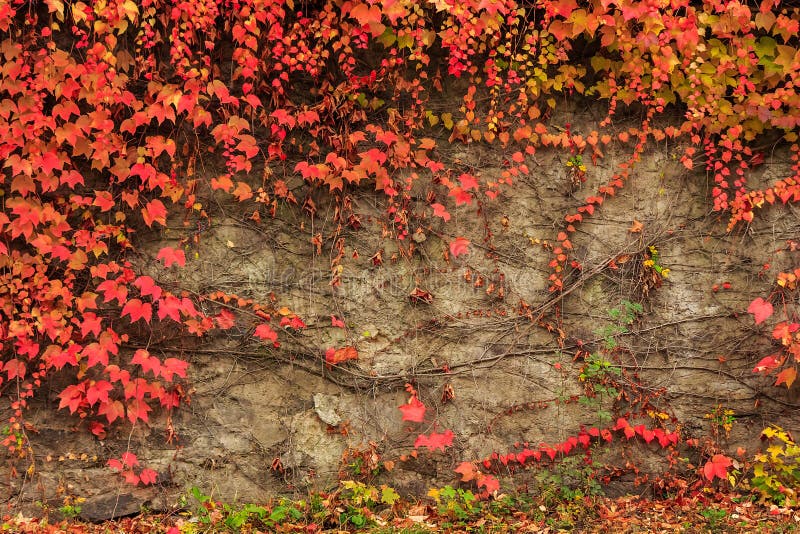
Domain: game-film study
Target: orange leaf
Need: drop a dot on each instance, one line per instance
(467, 470)
(335, 357)
(787, 376)
(155, 211)
(636, 227)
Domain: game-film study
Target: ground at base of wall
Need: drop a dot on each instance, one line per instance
(452, 510)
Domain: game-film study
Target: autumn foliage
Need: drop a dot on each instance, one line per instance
(116, 114)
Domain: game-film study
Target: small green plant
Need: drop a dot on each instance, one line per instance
(569, 480)
(71, 507)
(236, 518)
(627, 312)
(361, 501)
(598, 373)
(458, 504)
(284, 510)
(776, 472)
(596, 367)
(206, 512)
(714, 516)
(624, 315)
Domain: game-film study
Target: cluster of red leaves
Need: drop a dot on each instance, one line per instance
(526, 455)
(784, 363)
(414, 411)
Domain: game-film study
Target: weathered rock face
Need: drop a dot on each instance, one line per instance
(264, 421)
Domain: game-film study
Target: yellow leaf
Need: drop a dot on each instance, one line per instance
(447, 120)
(130, 10)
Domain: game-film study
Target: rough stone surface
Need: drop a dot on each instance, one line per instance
(264, 421)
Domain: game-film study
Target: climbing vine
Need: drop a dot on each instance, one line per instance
(116, 114)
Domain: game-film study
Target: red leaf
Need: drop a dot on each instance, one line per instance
(440, 211)
(621, 423)
(225, 319)
(717, 466)
(459, 246)
(420, 295)
(103, 200)
(98, 429)
(413, 410)
(174, 366)
(138, 310)
(72, 397)
(490, 483)
(767, 364)
(264, 331)
(461, 196)
(98, 392)
(115, 465)
(435, 441)
(129, 459)
(293, 322)
(468, 182)
(112, 289)
(172, 255)
(336, 322)
(148, 476)
(148, 363)
(112, 410)
(761, 310)
(15, 368)
(138, 409)
(131, 478)
(147, 287)
(155, 211)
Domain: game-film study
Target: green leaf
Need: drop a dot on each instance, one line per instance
(765, 47)
(389, 495)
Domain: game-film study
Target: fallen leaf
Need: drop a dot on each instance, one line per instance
(636, 227)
